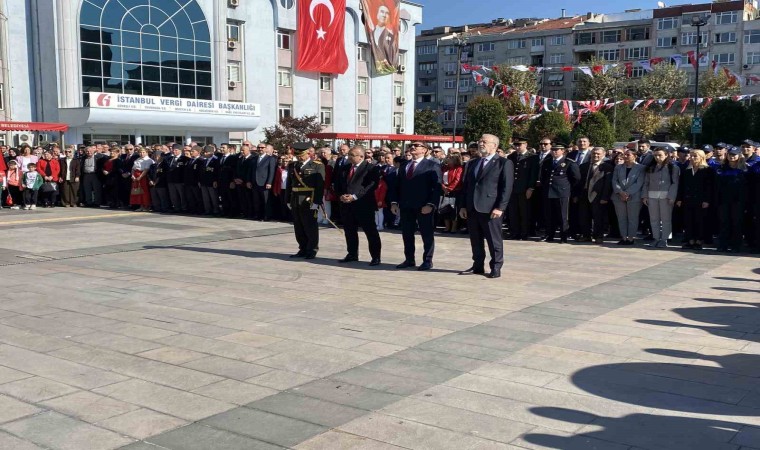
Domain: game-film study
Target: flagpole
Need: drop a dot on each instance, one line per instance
(460, 42)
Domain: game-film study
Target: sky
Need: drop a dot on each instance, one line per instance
(458, 12)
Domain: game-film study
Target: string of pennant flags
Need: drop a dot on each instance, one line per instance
(576, 109)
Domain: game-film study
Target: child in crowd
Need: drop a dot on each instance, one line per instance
(12, 184)
(32, 181)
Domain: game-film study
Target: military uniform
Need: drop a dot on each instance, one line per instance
(558, 178)
(526, 178)
(305, 189)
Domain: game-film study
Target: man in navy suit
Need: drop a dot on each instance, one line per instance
(261, 179)
(416, 195)
(487, 189)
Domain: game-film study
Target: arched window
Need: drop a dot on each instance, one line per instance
(145, 47)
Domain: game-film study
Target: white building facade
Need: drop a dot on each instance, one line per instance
(231, 64)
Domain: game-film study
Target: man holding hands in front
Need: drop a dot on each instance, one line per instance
(487, 188)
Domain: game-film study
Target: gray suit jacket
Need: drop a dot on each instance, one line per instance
(632, 184)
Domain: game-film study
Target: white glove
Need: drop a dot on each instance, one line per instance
(289, 207)
(314, 207)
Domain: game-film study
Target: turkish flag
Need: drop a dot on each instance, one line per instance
(321, 29)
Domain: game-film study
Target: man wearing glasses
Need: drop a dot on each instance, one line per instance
(416, 195)
(559, 175)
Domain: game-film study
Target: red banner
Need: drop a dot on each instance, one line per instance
(381, 20)
(321, 29)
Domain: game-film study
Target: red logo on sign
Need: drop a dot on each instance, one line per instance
(103, 100)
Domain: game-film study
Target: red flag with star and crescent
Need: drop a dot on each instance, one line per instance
(321, 29)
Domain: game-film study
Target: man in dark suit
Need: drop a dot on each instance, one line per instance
(227, 166)
(487, 189)
(175, 177)
(192, 179)
(416, 195)
(261, 180)
(593, 196)
(526, 176)
(544, 152)
(580, 156)
(209, 181)
(356, 193)
(558, 177)
(243, 185)
(71, 171)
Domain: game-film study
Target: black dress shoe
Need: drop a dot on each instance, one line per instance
(495, 274)
(374, 262)
(563, 240)
(298, 255)
(547, 239)
(473, 270)
(310, 255)
(425, 266)
(348, 259)
(406, 264)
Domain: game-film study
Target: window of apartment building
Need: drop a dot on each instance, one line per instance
(488, 62)
(486, 47)
(426, 98)
(637, 34)
(427, 82)
(233, 71)
(427, 49)
(284, 77)
(665, 42)
(515, 44)
(325, 82)
(284, 111)
(283, 40)
(233, 32)
(726, 17)
(585, 38)
(555, 94)
(667, 23)
(361, 52)
(464, 99)
(637, 72)
(724, 58)
(465, 83)
(398, 90)
(556, 58)
(537, 60)
(449, 84)
(753, 58)
(609, 55)
(362, 85)
(450, 68)
(752, 37)
(402, 58)
(516, 61)
(427, 67)
(555, 79)
(637, 53)
(690, 38)
(725, 38)
(448, 116)
(362, 118)
(557, 40)
(325, 116)
(448, 99)
(398, 120)
(691, 78)
(611, 36)
(537, 42)
(450, 50)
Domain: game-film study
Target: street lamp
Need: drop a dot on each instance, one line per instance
(460, 41)
(616, 76)
(699, 22)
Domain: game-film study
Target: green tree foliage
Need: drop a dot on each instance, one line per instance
(597, 128)
(624, 124)
(553, 125)
(725, 120)
(711, 85)
(648, 122)
(518, 81)
(664, 81)
(486, 115)
(426, 123)
(602, 85)
(291, 130)
(679, 129)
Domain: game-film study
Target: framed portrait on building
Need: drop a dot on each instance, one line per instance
(381, 20)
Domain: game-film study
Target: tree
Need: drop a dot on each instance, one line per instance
(520, 82)
(486, 115)
(679, 128)
(725, 120)
(720, 85)
(553, 125)
(602, 85)
(647, 122)
(754, 114)
(291, 130)
(664, 81)
(624, 124)
(426, 123)
(597, 128)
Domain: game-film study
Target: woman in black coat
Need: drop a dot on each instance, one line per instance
(695, 194)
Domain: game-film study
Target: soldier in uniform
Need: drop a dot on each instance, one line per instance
(526, 176)
(305, 189)
(558, 175)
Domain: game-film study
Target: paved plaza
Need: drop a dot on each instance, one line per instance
(148, 332)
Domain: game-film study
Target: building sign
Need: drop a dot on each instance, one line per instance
(170, 104)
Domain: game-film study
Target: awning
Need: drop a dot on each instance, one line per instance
(385, 137)
(33, 126)
(157, 121)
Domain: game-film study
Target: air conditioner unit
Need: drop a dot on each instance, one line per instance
(232, 84)
(232, 44)
(746, 66)
(24, 137)
(400, 100)
(402, 68)
(400, 130)
(233, 3)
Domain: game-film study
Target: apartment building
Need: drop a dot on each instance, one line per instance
(731, 38)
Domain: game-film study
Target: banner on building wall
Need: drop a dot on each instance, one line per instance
(130, 102)
(321, 30)
(381, 20)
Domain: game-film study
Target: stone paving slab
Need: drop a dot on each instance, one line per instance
(198, 333)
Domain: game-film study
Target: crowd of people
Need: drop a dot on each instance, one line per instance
(581, 192)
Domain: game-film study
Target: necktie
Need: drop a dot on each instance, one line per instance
(480, 167)
(351, 173)
(410, 172)
(580, 157)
